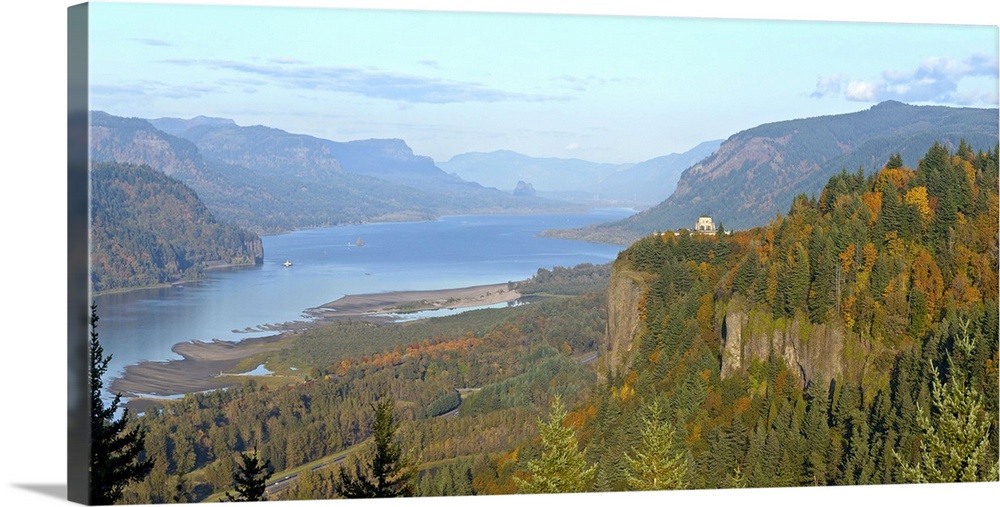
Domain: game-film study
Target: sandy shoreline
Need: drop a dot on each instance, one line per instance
(371, 305)
(199, 369)
(204, 362)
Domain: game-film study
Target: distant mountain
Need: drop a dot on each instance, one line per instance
(654, 180)
(393, 160)
(174, 126)
(558, 176)
(269, 180)
(644, 183)
(148, 228)
(524, 189)
(134, 140)
(756, 173)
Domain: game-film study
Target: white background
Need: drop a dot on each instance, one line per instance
(33, 249)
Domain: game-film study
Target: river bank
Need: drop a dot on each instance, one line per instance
(381, 304)
(211, 365)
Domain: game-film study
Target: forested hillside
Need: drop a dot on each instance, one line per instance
(468, 390)
(148, 228)
(851, 341)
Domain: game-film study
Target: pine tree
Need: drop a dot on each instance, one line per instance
(817, 432)
(747, 274)
(182, 493)
(389, 474)
(797, 288)
(561, 468)
(895, 161)
(823, 291)
(655, 465)
(251, 479)
(116, 450)
(955, 445)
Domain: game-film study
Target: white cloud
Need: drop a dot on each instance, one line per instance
(935, 80)
(860, 91)
(829, 84)
(370, 83)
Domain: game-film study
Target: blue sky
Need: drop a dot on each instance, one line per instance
(596, 87)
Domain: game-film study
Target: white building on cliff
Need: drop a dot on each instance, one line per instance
(705, 226)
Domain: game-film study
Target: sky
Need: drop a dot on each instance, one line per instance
(604, 88)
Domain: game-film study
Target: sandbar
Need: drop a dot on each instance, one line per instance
(210, 365)
(361, 306)
(200, 369)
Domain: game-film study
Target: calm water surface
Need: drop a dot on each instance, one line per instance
(455, 251)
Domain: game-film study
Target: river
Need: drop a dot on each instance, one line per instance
(328, 263)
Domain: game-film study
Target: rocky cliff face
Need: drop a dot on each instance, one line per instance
(254, 248)
(811, 351)
(524, 189)
(625, 292)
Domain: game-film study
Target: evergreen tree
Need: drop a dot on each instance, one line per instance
(116, 449)
(655, 464)
(817, 433)
(738, 480)
(823, 291)
(389, 474)
(748, 273)
(955, 445)
(895, 161)
(561, 468)
(182, 493)
(251, 479)
(797, 282)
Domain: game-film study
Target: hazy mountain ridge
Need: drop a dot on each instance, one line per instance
(268, 180)
(502, 169)
(135, 140)
(756, 173)
(644, 183)
(656, 179)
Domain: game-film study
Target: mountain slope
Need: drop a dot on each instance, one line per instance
(269, 180)
(271, 196)
(384, 174)
(149, 228)
(756, 173)
(654, 180)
